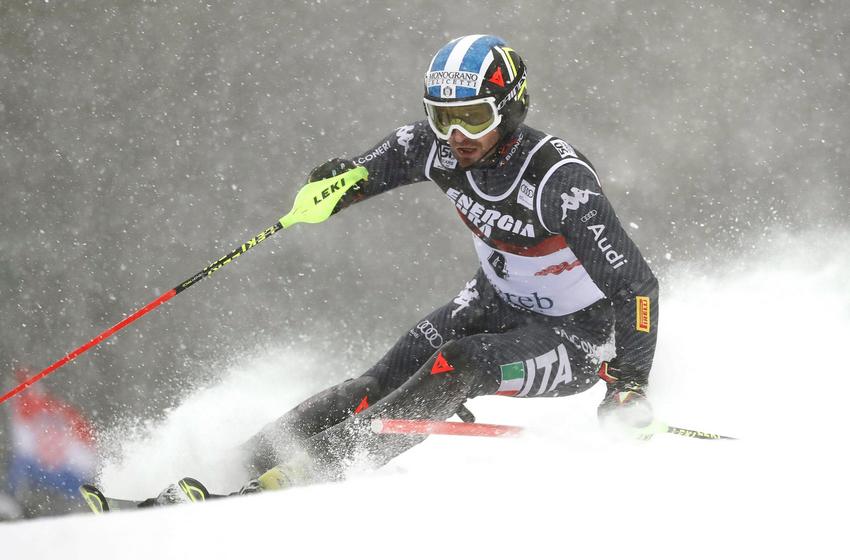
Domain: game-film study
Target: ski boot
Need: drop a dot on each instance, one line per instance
(281, 477)
(170, 496)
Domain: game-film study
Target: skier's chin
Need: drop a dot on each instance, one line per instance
(469, 152)
(467, 156)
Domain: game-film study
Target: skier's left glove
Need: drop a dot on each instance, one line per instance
(332, 168)
(625, 406)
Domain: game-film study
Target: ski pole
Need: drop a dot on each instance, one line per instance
(435, 427)
(663, 428)
(314, 203)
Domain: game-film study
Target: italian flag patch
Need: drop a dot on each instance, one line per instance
(513, 377)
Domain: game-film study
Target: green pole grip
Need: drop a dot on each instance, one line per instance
(316, 201)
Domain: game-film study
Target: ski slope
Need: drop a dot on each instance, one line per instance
(748, 348)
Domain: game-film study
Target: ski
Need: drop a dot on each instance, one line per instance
(196, 491)
(99, 503)
(190, 490)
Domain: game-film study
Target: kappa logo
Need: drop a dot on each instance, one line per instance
(465, 297)
(575, 200)
(519, 378)
(564, 149)
(405, 135)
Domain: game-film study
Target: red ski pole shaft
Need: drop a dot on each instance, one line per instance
(429, 427)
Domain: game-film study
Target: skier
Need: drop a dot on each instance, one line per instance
(559, 281)
(559, 277)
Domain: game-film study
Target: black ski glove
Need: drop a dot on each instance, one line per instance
(625, 406)
(332, 168)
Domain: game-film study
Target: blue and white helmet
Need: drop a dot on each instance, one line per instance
(478, 67)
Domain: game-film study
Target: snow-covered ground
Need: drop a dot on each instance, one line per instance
(750, 347)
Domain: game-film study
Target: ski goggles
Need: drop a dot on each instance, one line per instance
(474, 118)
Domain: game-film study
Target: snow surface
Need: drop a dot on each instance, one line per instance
(747, 349)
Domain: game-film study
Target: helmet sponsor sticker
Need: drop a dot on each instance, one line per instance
(462, 79)
(642, 321)
(513, 93)
(496, 77)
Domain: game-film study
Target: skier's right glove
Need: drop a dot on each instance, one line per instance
(625, 407)
(332, 168)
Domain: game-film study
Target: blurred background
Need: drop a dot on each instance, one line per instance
(141, 140)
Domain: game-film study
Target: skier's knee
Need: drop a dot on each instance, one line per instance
(469, 360)
(457, 355)
(358, 393)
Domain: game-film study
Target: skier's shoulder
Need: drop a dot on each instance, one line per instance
(557, 164)
(566, 180)
(414, 138)
(406, 141)
(551, 152)
(415, 133)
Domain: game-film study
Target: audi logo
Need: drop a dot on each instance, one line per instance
(588, 216)
(431, 334)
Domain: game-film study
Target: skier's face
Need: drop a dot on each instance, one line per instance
(467, 151)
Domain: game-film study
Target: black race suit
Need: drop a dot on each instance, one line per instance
(558, 277)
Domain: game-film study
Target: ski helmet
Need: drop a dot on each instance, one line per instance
(477, 84)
